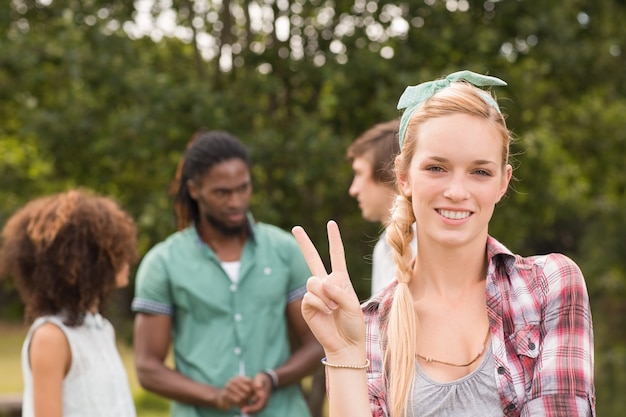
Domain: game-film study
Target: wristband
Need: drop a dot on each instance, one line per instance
(273, 377)
(333, 365)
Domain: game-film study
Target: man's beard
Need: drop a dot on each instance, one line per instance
(224, 228)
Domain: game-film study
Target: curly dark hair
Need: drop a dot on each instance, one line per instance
(64, 251)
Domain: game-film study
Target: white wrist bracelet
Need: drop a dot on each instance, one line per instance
(273, 377)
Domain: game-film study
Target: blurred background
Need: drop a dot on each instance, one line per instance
(105, 94)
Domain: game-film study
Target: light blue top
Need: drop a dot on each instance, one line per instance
(218, 325)
(96, 384)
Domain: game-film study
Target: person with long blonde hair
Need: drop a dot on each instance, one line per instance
(468, 328)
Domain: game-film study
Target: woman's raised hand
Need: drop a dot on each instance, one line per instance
(331, 307)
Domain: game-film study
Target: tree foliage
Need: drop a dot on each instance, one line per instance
(90, 97)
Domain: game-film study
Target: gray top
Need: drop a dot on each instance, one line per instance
(473, 395)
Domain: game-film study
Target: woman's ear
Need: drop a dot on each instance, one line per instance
(402, 179)
(506, 179)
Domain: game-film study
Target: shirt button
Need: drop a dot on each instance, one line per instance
(238, 317)
(501, 370)
(237, 351)
(531, 346)
(233, 287)
(510, 407)
(267, 270)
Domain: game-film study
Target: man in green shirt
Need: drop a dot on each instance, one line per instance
(225, 290)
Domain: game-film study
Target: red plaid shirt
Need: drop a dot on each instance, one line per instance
(541, 336)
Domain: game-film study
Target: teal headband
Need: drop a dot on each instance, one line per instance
(414, 96)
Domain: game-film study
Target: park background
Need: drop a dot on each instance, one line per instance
(104, 94)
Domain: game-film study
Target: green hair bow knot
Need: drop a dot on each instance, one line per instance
(414, 96)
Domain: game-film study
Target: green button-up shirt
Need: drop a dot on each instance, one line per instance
(218, 325)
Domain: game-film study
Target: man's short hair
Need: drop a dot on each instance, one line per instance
(379, 144)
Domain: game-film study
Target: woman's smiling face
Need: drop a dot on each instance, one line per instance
(455, 179)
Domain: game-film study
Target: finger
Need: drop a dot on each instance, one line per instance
(262, 387)
(237, 397)
(312, 301)
(239, 388)
(337, 253)
(240, 382)
(255, 406)
(309, 251)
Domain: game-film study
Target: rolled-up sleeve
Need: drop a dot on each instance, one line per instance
(562, 383)
(152, 289)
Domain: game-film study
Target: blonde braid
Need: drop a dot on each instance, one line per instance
(399, 359)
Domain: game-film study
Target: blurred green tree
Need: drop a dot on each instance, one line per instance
(105, 94)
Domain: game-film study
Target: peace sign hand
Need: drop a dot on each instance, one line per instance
(330, 307)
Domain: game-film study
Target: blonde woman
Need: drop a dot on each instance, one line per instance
(469, 328)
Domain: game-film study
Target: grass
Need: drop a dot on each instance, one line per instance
(11, 339)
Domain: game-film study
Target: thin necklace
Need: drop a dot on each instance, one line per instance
(458, 365)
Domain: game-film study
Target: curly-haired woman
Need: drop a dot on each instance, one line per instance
(66, 253)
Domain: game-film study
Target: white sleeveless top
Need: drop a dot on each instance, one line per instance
(96, 384)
